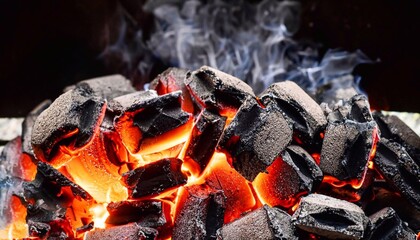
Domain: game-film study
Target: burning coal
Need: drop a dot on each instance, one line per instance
(199, 155)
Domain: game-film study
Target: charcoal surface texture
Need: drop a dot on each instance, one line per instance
(331, 218)
(28, 124)
(145, 115)
(127, 232)
(200, 213)
(265, 223)
(356, 108)
(387, 225)
(299, 108)
(393, 129)
(255, 138)
(399, 170)
(214, 89)
(38, 229)
(171, 80)
(146, 213)
(108, 87)
(154, 178)
(204, 137)
(346, 149)
(70, 121)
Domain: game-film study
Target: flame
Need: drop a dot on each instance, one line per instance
(17, 228)
(99, 215)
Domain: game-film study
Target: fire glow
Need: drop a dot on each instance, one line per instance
(191, 158)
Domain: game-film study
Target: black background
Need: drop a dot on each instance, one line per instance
(48, 44)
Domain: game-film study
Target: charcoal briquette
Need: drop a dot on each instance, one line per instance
(147, 213)
(216, 90)
(399, 170)
(300, 109)
(107, 87)
(331, 218)
(264, 223)
(346, 149)
(70, 121)
(386, 224)
(200, 213)
(130, 231)
(205, 137)
(255, 138)
(152, 179)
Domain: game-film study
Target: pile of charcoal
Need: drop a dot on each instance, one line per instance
(200, 156)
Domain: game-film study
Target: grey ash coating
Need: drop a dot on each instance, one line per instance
(300, 109)
(330, 217)
(130, 231)
(386, 224)
(399, 170)
(265, 223)
(255, 138)
(216, 89)
(346, 149)
(76, 110)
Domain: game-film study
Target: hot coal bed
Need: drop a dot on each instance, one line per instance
(200, 156)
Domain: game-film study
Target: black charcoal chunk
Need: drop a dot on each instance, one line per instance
(51, 194)
(146, 213)
(130, 231)
(85, 228)
(107, 87)
(214, 89)
(330, 217)
(205, 137)
(264, 223)
(300, 109)
(255, 138)
(346, 149)
(386, 224)
(144, 115)
(399, 170)
(310, 174)
(201, 213)
(392, 128)
(154, 178)
(356, 109)
(38, 229)
(28, 124)
(70, 121)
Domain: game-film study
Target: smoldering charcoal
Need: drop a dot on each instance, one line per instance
(200, 156)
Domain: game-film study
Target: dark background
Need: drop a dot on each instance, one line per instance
(46, 45)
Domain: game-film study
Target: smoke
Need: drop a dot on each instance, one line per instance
(250, 41)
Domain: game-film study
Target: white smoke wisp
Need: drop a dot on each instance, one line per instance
(250, 41)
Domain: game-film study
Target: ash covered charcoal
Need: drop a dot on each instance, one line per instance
(144, 115)
(399, 170)
(290, 176)
(200, 213)
(51, 195)
(107, 87)
(300, 109)
(130, 231)
(147, 213)
(330, 217)
(204, 138)
(69, 122)
(216, 90)
(264, 223)
(387, 225)
(28, 124)
(356, 108)
(172, 80)
(386, 197)
(38, 229)
(255, 138)
(393, 129)
(346, 149)
(154, 178)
